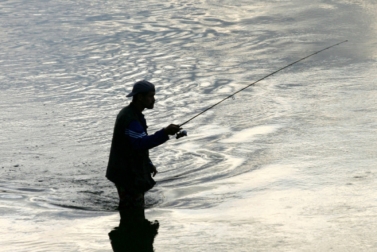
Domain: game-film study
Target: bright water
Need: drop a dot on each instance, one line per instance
(289, 165)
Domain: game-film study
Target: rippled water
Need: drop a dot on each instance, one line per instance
(289, 165)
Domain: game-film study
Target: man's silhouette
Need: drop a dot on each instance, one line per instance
(129, 166)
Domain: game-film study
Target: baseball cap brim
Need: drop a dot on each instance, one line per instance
(141, 87)
(131, 94)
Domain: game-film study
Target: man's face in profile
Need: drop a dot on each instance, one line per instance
(148, 100)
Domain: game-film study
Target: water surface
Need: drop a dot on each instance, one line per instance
(288, 165)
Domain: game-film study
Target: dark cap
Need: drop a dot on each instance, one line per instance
(142, 87)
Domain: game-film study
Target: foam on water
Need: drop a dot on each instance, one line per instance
(248, 135)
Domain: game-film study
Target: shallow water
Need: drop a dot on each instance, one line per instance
(288, 165)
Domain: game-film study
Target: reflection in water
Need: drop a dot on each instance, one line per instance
(135, 233)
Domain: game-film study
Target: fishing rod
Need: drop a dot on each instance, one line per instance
(184, 133)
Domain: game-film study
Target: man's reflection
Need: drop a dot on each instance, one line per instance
(135, 233)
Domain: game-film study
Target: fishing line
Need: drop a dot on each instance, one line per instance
(184, 133)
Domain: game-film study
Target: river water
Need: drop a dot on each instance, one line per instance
(288, 165)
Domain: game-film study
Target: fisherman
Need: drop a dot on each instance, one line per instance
(129, 166)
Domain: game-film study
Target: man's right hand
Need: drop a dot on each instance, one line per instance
(172, 129)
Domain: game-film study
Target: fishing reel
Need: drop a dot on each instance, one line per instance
(180, 134)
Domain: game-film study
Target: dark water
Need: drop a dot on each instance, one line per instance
(289, 165)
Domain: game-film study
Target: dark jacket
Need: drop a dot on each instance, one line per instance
(129, 164)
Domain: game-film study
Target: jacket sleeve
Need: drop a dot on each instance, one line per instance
(140, 140)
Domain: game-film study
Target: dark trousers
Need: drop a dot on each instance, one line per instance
(128, 200)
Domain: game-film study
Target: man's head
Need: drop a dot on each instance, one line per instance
(143, 94)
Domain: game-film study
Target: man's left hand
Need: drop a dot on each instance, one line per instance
(154, 170)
